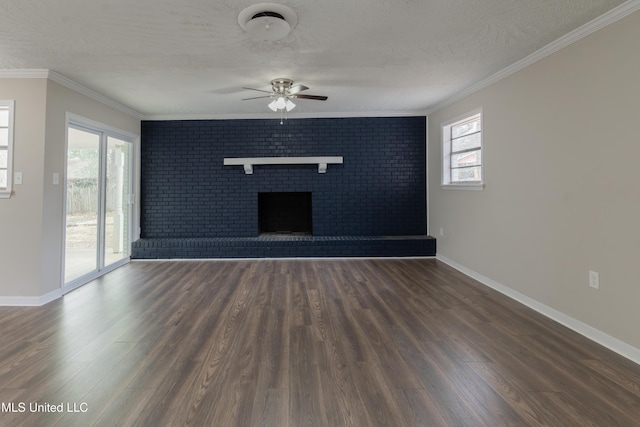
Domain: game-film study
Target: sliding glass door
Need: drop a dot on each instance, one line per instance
(83, 199)
(116, 239)
(97, 230)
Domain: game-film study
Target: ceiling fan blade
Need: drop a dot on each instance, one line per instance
(297, 89)
(256, 97)
(259, 90)
(316, 97)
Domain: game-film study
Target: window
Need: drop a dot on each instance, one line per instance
(6, 147)
(462, 152)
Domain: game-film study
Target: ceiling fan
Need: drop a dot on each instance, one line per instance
(282, 92)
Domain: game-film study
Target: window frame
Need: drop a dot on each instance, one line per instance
(9, 104)
(446, 182)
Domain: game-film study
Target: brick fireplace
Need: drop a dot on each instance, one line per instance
(375, 199)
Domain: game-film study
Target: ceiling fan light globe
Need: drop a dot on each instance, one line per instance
(273, 107)
(281, 103)
(290, 105)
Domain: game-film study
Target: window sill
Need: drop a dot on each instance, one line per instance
(474, 187)
(5, 194)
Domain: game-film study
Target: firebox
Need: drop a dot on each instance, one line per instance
(285, 213)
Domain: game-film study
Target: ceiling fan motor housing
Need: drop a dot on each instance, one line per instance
(281, 86)
(283, 91)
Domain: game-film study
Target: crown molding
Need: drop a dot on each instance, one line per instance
(77, 87)
(568, 39)
(24, 74)
(69, 84)
(276, 116)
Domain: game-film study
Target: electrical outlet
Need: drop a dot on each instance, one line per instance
(594, 280)
(441, 231)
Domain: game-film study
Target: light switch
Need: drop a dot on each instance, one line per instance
(17, 178)
(56, 178)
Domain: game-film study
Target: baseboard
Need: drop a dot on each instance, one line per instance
(31, 301)
(613, 344)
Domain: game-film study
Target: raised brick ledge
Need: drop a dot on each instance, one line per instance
(284, 247)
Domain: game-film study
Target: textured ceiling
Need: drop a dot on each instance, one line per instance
(186, 58)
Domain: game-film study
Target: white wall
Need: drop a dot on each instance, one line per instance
(562, 173)
(32, 219)
(21, 215)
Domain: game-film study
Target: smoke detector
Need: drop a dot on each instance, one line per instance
(267, 21)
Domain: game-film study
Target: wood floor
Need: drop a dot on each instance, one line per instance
(407, 342)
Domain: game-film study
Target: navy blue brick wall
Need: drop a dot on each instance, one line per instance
(378, 191)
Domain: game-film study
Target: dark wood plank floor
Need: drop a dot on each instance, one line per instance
(303, 343)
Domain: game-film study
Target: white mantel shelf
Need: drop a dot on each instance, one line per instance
(249, 162)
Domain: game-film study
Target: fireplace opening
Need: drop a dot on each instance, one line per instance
(285, 213)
